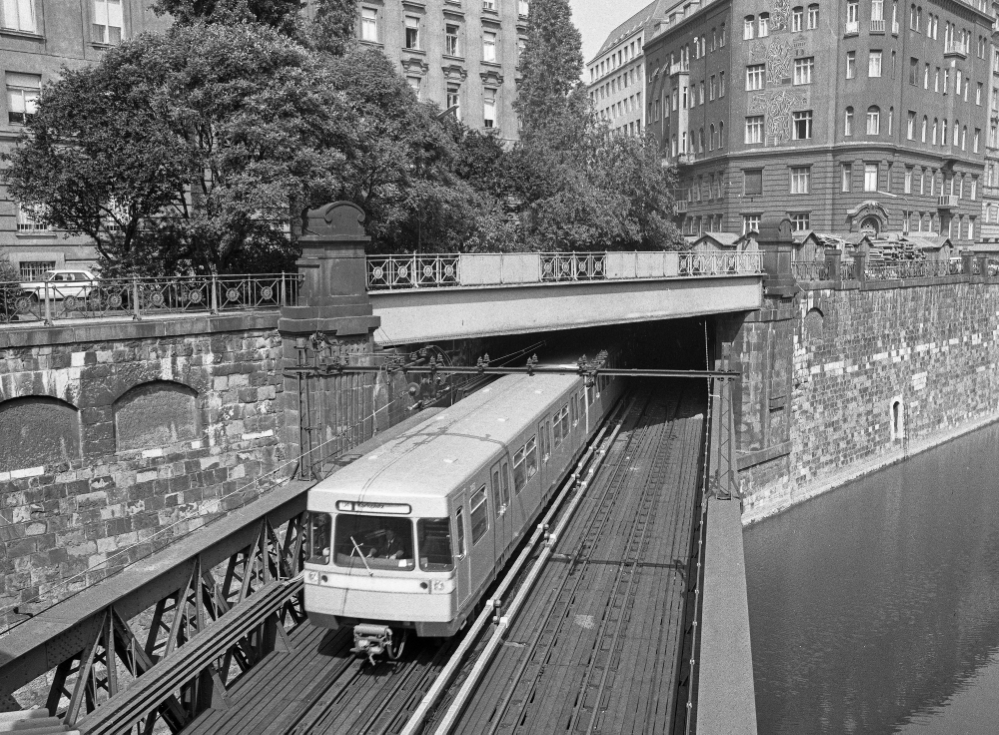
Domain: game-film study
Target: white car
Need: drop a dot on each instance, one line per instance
(61, 284)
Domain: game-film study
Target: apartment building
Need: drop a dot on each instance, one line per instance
(860, 116)
(615, 75)
(461, 54)
(38, 37)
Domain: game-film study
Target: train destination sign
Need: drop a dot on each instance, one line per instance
(358, 506)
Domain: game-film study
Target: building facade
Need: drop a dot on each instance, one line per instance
(461, 54)
(863, 116)
(38, 37)
(615, 75)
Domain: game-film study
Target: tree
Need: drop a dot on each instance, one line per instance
(188, 150)
(280, 14)
(333, 27)
(550, 94)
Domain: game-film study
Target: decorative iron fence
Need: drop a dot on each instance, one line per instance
(50, 301)
(889, 270)
(400, 272)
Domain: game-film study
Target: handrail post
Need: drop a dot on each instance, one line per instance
(283, 291)
(215, 294)
(48, 303)
(136, 313)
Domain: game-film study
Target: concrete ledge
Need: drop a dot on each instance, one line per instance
(726, 694)
(117, 330)
(744, 461)
(779, 499)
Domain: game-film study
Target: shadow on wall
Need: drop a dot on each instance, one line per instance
(155, 415)
(37, 431)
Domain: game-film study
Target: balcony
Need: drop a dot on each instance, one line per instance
(947, 201)
(681, 206)
(678, 68)
(878, 26)
(852, 27)
(955, 51)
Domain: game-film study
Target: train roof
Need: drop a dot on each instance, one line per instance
(447, 450)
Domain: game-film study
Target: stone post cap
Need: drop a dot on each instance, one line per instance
(335, 221)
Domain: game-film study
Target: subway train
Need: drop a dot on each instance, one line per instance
(406, 539)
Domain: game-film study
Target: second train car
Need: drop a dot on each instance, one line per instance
(407, 538)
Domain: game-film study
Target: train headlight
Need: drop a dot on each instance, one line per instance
(439, 585)
(312, 577)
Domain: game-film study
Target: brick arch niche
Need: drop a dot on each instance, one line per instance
(36, 431)
(156, 414)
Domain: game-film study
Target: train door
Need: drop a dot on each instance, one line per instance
(482, 551)
(461, 560)
(499, 479)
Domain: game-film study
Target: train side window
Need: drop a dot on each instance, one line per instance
(572, 410)
(505, 483)
(548, 439)
(459, 522)
(433, 540)
(543, 438)
(531, 453)
(479, 511)
(496, 479)
(519, 475)
(589, 394)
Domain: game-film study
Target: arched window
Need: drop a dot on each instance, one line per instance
(957, 132)
(700, 140)
(156, 414)
(891, 119)
(934, 131)
(964, 136)
(919, 17)
(923, 134)
(721, 36)
(38, 431)
(848, 122)
(711, 138)
(749, 27)
(764, 25)
(943, 132)
(813, 16)
(873, 120)
(797, 19)
(721, 135)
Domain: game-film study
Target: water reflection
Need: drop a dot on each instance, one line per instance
(875, 608)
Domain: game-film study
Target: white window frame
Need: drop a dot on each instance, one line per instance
(490, 43)
(369, 24)
(23, 91)
(755, 77)
(754, 130)
(18, 15)
(874, 65)
(801, 179)
(871, 172)
(109, 26)
(803, 69)
(803, 116)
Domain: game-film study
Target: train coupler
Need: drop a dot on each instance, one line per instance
(376, 640)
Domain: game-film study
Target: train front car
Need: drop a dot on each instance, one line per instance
(381, 562)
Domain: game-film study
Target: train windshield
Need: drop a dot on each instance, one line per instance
(434, 542)
(373, 542)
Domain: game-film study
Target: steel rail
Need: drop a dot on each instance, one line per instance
(649, 499)
(471, 682)
(594, 522)
(416, 721)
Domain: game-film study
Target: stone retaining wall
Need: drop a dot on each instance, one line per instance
(932, 349)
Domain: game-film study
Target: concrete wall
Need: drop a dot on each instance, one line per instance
(113, 433)
(931, 347)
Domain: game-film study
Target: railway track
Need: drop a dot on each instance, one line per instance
(322, 688)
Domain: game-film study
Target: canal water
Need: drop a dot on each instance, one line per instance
(875, 608)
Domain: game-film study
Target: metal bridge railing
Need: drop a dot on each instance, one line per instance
(401, 272)
(50, 301)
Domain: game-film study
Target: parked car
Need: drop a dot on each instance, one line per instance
(61, 284)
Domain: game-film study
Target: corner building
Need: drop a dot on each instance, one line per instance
(848, 117)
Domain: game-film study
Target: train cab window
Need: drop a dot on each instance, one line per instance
(319, 538)
(373, 542)
(479, 508)
(433, 542)
(459, 524)
(572, 411)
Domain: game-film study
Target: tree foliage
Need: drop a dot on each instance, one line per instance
(200, 148)
(185, 149)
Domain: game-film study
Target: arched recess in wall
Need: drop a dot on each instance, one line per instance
(156, 414)
(37, 431)
(813, 324)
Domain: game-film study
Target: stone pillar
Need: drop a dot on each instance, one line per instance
(332, 308)
(833, 259)
(860, 267)
(967, 263)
